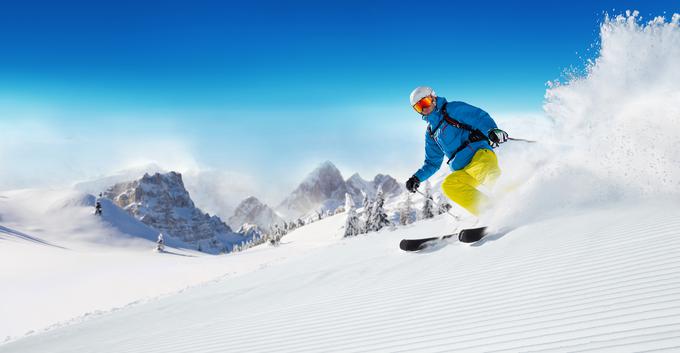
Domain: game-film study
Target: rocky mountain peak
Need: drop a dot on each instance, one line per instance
(253, 211)
(161, 201)
(324, 189)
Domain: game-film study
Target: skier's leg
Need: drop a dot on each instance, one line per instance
(484, 167)
(461, 186)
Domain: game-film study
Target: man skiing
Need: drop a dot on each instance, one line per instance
(465, 135)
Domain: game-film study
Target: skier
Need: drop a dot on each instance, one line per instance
(160, 245)
(465, 135)
(98, 208)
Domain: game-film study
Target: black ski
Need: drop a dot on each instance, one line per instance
(464, 236)
(420, 244)
(471, 235)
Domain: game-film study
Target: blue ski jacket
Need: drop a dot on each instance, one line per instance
(447, 139)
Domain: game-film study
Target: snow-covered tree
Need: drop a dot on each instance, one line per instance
(406, 211)
(349, 202)
(378, 218)
(160, 242)
(352, 225)
(367, 210)
(442, 205)
(98, 206)
(428, 205)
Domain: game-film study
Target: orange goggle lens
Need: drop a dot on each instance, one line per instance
(423, 104)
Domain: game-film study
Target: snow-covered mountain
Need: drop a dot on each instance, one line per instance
(252, 211)
(324, 190)
(162, 202)
(357, 187)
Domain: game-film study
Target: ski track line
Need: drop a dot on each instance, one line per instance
(565, 321)
(270, 337)
(663, 349)
(360, 301)
(472, 312)
(352, 345)
(673, 337)
(391, 338)
(372, 294)
(583, 291)
(367, 296)
(625, 256)
(623, 335)
(491, 340)
(500, 303)
(315, 321)
(423, 329)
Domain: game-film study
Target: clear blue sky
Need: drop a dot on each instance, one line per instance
(256, 86)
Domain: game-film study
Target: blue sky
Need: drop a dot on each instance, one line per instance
(267, 88)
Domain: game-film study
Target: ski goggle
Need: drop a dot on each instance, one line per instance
(423, 104)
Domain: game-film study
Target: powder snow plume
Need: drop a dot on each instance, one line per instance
(617, 127)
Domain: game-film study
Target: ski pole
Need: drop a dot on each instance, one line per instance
(521, 140)
(431, 199)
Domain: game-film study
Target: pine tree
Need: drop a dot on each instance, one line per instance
(442, 206)
(379, 218)
(428, 205)
(352, 225)
(406, 211)
(98, 205)
(368, 207)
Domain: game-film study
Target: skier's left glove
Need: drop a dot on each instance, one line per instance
(412, 184)
(497, 136)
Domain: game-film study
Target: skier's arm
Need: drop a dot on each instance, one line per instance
(475, 117)
(433, 159)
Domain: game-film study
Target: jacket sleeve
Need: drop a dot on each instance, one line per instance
(433, 159)
(475, 117)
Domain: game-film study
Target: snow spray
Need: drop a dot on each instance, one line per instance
(616, 128)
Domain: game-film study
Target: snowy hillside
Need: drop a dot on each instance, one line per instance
(593, 280)
(62, 261)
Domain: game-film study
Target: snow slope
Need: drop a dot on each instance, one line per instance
(603, 279)
(60, 262)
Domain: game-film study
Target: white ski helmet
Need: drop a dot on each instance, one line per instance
(420, 93)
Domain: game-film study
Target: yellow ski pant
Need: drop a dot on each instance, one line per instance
(461, 185)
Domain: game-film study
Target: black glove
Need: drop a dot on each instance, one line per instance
(412, 184)
(497, 136)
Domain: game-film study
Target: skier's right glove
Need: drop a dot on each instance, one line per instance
(412, 184)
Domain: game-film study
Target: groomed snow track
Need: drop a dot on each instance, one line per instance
(606, 280)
